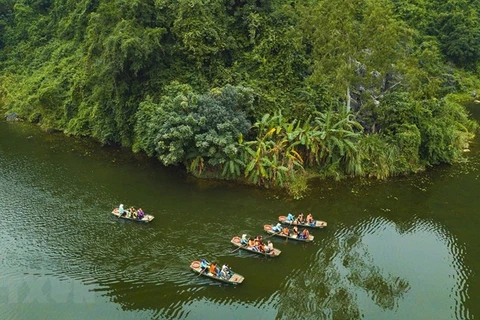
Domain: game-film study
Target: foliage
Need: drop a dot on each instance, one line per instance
(432, 131)
(351, 41)
(193, 129)
(377, 156)
(338, 88)
(298, 188)
(454, 23)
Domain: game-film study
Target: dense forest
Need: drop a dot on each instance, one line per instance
(267, 92)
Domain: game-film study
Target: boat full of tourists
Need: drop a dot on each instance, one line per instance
(213, 271)
(132, 214)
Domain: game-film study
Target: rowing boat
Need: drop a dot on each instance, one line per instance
(269, 229)
(146, 218)
(316, 224)
(235, 278)
(237, 242)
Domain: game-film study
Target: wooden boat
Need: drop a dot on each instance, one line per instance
(234, 279)
(317, 223)
(237, 242)
(269, 229)
(146, 218)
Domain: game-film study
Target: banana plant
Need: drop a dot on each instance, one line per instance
(232, 168)
(197, 165)
(336, 133)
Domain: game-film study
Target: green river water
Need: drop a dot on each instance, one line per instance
(406, 248)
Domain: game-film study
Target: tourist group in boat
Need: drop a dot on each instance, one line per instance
(260, 246)
(257, 244)
(304, 234)
(225, 272)
(132, 213)
(288, 227)
(213, 270)
(300, 220)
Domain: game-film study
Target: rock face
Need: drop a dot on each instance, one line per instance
(12, 117)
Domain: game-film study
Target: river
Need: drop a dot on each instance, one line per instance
(406, 248)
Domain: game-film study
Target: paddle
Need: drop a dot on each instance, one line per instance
(237, 249)
(272, 235)
(201, 272)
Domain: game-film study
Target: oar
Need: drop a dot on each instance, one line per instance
(237, 249)
(271, 235)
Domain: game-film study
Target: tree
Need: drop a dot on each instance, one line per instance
(351, 40)
(188, 128)
(460, 35)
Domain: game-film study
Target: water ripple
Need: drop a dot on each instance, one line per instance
(57, 225)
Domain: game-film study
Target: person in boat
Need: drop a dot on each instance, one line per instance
(256, 244)
(300, 219)
(269, 247)
(244, 240)
(261, 247)
(290, 217)
(304, 234)
(214, 269)
(286, 231)
(121, 210)
(204, 265)
(295, 230)
(130, 212)
(140, 214)
(277, 228)
(251, 243)
(226, 272)
(310, 219)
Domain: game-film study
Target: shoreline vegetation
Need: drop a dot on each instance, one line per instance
(267, 93)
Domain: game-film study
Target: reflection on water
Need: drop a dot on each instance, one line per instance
(371, 270)
(392, 250)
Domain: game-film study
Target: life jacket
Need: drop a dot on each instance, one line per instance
(213, 269)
